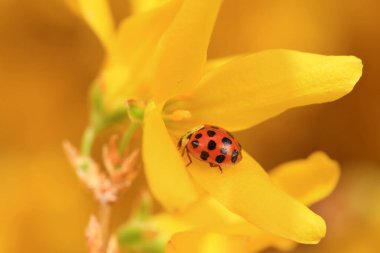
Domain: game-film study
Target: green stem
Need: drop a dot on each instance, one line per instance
(128, 134)
(88, 140)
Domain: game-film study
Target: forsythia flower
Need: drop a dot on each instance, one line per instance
(159, 57)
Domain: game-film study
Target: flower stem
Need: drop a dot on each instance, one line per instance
(104, 220)
(88, 140)
(128, 134)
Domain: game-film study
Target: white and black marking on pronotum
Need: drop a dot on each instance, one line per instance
(179, 145)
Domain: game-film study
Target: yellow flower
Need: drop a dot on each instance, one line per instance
(159, 56)
(196, 229)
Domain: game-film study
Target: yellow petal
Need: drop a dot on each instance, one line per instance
(165, 171)
(168, 224)
(138, 6)
(98, 15)
(308, 180)
(198, 242)
(205, 223)
(130, 59)
(207, 212)
(182, 51)
(259, 240)
(216, 63)
(251, 89)
(246, 190)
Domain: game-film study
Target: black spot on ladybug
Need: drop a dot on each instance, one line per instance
(230, 134)
(189, 136)
(195, 143)
(211, 133)
(204, 155)
(223, 151)
(179, 142)
(234, 156)
(226, 141)
(211, 145)
(220, 158)
(197, 136)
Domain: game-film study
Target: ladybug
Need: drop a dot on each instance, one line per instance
(211, 144)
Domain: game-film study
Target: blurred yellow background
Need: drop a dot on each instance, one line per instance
(49, 56)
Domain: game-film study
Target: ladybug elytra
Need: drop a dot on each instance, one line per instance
(211, 144)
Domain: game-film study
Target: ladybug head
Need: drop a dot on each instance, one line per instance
(183, 141)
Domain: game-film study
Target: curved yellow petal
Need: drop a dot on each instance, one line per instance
(259, 240)
(165, 170)
(216, 63)
(199, 242)
(251, 89)
(308, 180)
(168, 224)
(97, 14)
(182, 51)
(138, 6)
(129, 61)
(208, 212)
(247, 190)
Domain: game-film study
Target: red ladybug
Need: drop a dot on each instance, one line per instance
(211, 144)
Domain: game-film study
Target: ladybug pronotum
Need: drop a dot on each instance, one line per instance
(211, 144)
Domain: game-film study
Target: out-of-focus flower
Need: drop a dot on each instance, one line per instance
(121, 171)
(159, 57)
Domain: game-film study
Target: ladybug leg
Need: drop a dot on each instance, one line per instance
(216, 165)
(188, 156)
